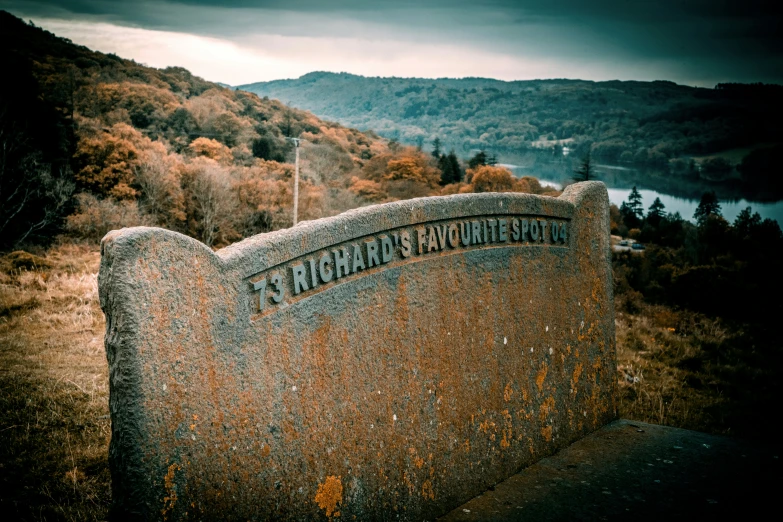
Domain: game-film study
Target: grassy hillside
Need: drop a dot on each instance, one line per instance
(640, 122)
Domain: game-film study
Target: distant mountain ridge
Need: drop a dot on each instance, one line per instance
(629, 121)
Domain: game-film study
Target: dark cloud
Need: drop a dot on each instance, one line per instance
(692, 41)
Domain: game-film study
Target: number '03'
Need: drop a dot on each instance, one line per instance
(276, 281)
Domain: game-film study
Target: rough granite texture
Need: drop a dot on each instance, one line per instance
(251, 383)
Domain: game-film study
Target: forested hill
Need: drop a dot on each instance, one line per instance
(628, 121)
(92, 141)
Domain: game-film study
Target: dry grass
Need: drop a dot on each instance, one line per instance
(683, 369)
(675, 368)
(54, 424)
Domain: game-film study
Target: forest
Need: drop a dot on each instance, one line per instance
(660, 124)
(696, 315)
(93, 142)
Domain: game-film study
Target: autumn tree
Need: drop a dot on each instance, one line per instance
(487, 178)
(528, 185)
(263, 203)
(211, 149)
(145, 104)
(367, 189)
(412, 165)
(106, 162)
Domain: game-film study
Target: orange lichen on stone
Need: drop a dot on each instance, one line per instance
(547, 433)
(546, 408)
(265, 450)
(427, 491)
(484, 426)
(171, 490)
(504, 443)
(508, 392)
(330, 495)
(508, 434)
(577, 373)
(540, 377)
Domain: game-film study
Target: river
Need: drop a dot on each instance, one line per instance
(676, 195)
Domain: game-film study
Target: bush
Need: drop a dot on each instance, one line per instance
(487, 178)
(95, 217)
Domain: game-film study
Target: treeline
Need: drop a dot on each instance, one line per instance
(91, 142)
(713, 266)
(647, 123)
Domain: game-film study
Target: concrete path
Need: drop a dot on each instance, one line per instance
(635, 471)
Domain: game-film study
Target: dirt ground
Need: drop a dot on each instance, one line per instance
(675, 368)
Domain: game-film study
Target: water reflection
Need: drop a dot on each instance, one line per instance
(677, 194)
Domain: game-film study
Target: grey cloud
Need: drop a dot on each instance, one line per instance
(712, 38)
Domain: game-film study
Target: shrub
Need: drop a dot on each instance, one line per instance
(95, 217)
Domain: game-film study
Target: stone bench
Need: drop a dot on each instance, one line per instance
(394, 361)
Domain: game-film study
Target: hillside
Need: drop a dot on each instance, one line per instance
(622, 121)
(97, 142)
(94, 142)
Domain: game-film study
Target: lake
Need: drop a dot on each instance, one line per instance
(676, 195)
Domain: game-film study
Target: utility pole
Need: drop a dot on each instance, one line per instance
(296, 181)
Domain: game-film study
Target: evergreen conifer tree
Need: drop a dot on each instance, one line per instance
(635, 203)
(478, 160)
(436, 148)
(655, 212)
(456, 168)
(708, 206)
(585, 170)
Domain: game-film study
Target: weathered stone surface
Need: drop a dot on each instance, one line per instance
(254, 383)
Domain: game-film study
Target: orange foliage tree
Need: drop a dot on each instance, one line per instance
(106, 162)
(487, 178)
(412, 165)
(367, 189)
(212, 149)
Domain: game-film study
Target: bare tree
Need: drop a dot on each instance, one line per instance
(31, 198)
(324, 164)
(215, 203)
(161, 194)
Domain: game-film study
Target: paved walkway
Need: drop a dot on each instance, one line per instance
(635, 471)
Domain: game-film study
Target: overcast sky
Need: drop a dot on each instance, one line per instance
(698, 42)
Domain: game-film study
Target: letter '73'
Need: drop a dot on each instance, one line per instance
(277, 285)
